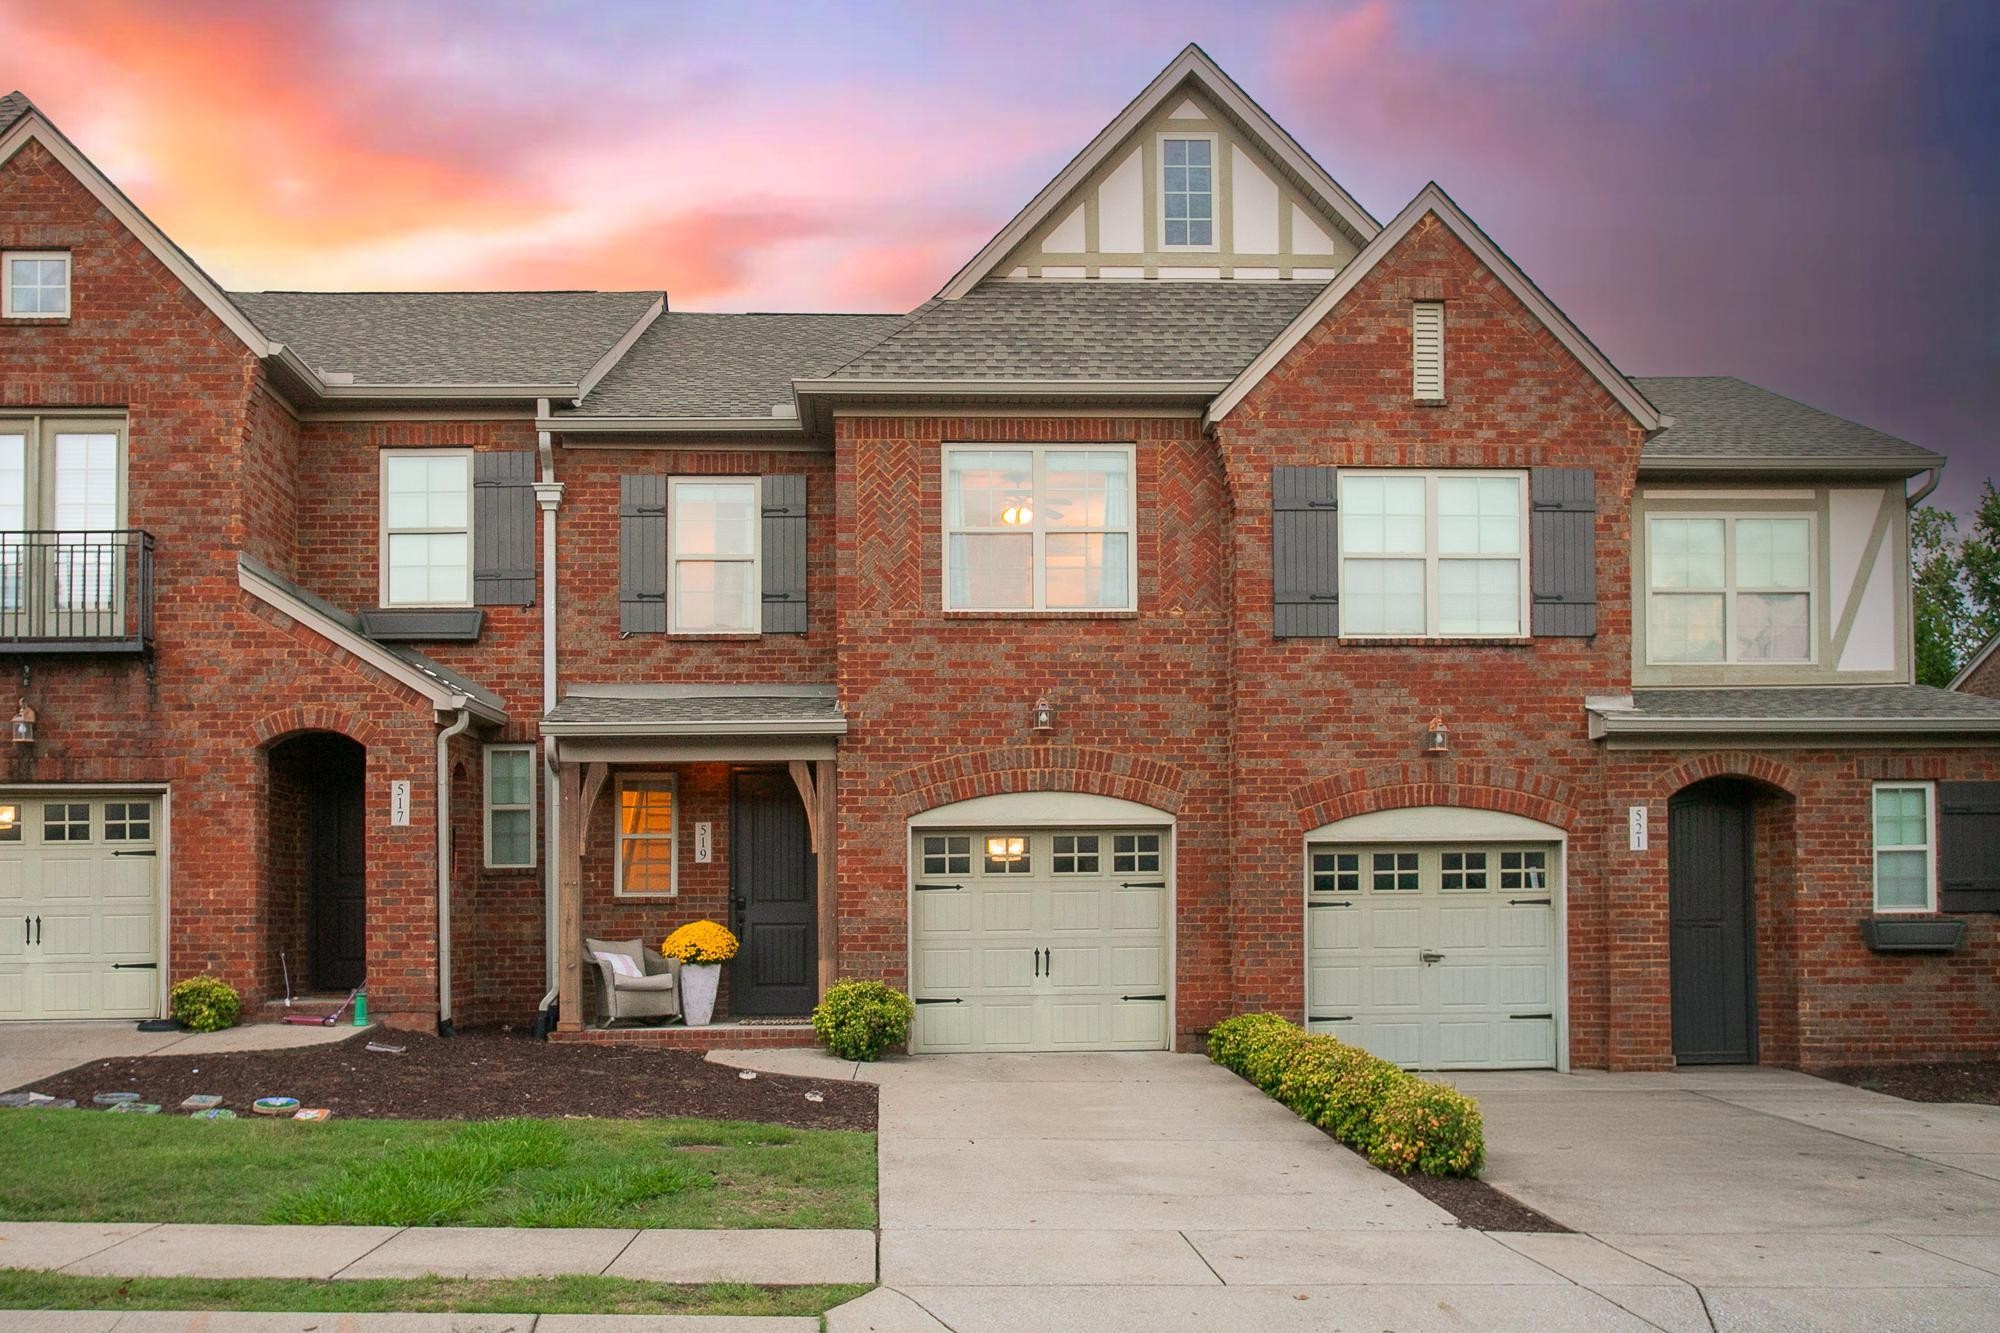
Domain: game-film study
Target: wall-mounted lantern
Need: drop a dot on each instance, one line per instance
(24, 725)
(1437, 737)
(1044, 716)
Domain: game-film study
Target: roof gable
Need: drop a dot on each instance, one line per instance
(1432, 200)
(1190, 83)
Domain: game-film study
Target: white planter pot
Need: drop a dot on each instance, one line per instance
(698, 983)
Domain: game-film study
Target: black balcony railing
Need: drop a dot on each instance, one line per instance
(76, 592)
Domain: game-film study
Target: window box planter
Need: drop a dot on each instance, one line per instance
(404, 624)
(1916, 935)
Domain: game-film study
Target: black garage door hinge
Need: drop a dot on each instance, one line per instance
(1142, 997)
(143, 967)
(1144, 884)
(939, 888)
(1523, 1016)
(1336, 903)
(147, 852)
(1530, 902)
(953, 1000)
(1329, 1018)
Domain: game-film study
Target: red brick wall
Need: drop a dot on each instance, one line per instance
(1986, 679)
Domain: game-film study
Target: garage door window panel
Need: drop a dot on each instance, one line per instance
(1075, 854)
(947, 854)
(66, 821)
(128, 821)
(1336, 872)
(1135, 853)
(1007, 854)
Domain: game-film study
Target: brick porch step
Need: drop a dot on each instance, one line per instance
(717, 1036)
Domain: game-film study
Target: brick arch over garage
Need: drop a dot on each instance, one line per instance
(1029, 768)
(1729, 764)
(1477, 786)
(284, 722)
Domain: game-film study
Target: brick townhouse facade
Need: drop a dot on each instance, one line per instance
(1214, 598)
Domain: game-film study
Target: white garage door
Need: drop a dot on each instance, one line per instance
(1040, 940)
(1435, 957)
(79, 906)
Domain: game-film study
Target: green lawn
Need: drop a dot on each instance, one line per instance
(23, 1289)
(78, 1166)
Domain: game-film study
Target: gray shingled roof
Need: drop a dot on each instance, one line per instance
(433, 338)
(691, 364)
(1720, 416)
(12, 107)
(347, 620)
(1086, 331)
(1810, 703)
(716, 710)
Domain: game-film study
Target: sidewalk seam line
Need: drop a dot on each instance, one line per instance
(1837, 1133)
(1219, 1279)
(921, 1306)
(1614, 1301)
(149, 1228)
(335, 1275)
(630, 1241)
(1918, 1243)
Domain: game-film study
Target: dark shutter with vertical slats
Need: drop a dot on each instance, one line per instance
(1562, 559)
(642, 555)
(785, 554)
(503, 527)
(1305, 552)
(1968, 846)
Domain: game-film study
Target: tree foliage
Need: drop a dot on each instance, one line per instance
(1956, 582)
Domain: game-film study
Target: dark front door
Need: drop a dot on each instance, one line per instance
(773, 881)
(339, 892)
(1709, 843)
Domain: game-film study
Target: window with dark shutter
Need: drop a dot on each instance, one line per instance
(642, 555)
(1968, 846)
(784, 554)
(503, 528)
(1562, 564)
(1305, 552)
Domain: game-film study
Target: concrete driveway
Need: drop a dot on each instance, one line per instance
(31, 1051)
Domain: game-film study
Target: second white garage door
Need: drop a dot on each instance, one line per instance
(79, 905)
(1435, 957)
(1040, 940)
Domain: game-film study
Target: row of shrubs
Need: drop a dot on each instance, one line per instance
(1395, 1119)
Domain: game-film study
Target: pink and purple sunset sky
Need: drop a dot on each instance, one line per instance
(1804, 194)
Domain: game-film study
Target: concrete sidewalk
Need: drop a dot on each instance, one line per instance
(137, 1249)
(169, 1321)
(33, 1051)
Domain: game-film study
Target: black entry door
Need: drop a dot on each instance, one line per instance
(1709, 908)
(339, 893)
(773, 882)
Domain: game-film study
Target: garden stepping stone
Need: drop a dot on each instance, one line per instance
(52, 1104)
(202, 1101)
(137, 1108)
(214, 1113)
(316, 1113)
(114, 1098)
(20, 1098)
(275, 1105)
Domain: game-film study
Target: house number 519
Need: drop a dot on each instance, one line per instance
(702, 845)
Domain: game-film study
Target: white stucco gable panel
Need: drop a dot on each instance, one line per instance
(1308, 238)
(1256, 205)
(1851, 515)
(1871, 644)
(1067, 237)
(1121, 207)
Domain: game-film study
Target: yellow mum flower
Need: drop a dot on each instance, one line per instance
(701, 942)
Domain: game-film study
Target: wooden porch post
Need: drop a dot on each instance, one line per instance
(579, 786)
(814, 779)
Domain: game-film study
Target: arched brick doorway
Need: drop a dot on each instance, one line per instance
(319, 870)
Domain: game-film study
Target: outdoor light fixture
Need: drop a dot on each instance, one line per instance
(1437, 737)
(1044, 716)
(24, 725)
(1006, 850)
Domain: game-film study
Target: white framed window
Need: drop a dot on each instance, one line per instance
(1905, 859)
(427, 527)
(1427, 351)
(1433, 554)
(1187, 191)
(648, 817)
(1729, 588)
(510, 807)
(62, 478)
(34, 284)
(1039, 528)
(714, 545)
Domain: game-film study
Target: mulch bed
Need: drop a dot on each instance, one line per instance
(1478, 1205)
(476, 1076)
(1945, 1081)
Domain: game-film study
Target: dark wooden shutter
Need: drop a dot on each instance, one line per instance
(642, 555)
(503, 527)
(1305, 552)
(1968, 846)
(785, 554)
(1563, 552)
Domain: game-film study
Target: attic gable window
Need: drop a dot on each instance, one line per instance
(34, 284)
(1427, 351)
(1187, 191)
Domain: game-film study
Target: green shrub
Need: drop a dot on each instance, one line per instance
(1398, 1121)
(204, 1004)
(858, 1020)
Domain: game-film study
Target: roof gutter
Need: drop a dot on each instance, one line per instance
(1615, 723)
(1924, 491)
(1906, 466)
(587, 425)
(706, 727)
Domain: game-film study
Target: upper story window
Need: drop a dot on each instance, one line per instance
(34, 284)
(1729, 589)
(1904, 869)
(62, 513)
(427, 527)
(1187, 190)
(714, 585)
(1439, 553)
(1039, 529)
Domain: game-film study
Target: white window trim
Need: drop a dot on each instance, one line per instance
(1929, 848)
(619, 836)
(1431, 557)
(382, 515)
(7, 284)
(1214, 191)
(490, 806)
(1729, 589)
(1039, 530)
(755, 559)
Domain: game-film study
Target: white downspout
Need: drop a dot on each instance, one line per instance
(548, 494)
(444, 864)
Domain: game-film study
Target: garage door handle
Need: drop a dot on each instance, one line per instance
(1430, 956)
(38, 930)
(147, 852)
(136, 967)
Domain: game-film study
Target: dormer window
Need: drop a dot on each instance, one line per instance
(1187, 191)
(34, 284)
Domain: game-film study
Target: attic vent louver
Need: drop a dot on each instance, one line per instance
(1427, 351)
